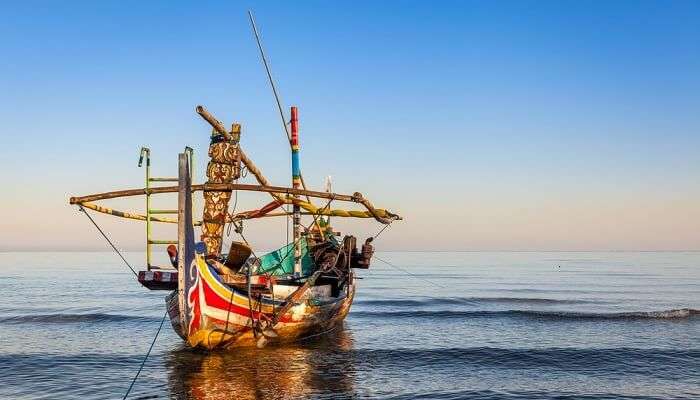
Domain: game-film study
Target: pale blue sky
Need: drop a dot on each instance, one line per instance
(489, 125)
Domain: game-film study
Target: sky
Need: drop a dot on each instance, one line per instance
(488, 125)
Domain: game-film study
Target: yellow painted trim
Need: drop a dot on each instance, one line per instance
(208, 338)
(222, 291)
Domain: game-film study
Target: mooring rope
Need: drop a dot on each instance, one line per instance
(409, 273)
(133, 381)
(109, 241)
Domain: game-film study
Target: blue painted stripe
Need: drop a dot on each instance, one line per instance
(296, 168)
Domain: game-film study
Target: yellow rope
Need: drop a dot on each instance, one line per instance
(337, 212)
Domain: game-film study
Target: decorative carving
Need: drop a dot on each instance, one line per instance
(224, 167)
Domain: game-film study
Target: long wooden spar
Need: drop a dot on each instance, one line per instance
(243, 215)
(380, 215)
(280, 194)
(219, 127)
(252, 168)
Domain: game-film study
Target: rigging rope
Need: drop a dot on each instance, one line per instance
(235, 204)
(399, 268)
(160, 327)
(109, 241)
(133, 381)
(382, 230)
(319, 212)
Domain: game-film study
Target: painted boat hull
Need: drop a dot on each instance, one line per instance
(219, 316)
(209, 314)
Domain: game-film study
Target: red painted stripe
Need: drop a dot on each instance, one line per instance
(295, 127)
(212, 299)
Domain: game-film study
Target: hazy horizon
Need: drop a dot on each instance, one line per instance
(509, 126)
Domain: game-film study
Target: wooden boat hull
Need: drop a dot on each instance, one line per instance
(223, 317)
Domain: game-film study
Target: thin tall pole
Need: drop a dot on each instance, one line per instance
(145, 151)
(296, 184)
(277, 97)
(269, 74)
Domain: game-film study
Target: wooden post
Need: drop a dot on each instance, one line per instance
(296, 184)
(185, 241)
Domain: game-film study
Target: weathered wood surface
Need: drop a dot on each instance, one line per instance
(219, 127)
(355, 198)
(276, 192)
(215, 123)
(224, 167)
(211, 187)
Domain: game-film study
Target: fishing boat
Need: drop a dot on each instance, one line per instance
(224, 299)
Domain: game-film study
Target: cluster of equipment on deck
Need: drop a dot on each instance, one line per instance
(334, 261)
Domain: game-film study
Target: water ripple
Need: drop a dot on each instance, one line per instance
(73, 318)
(677, 314)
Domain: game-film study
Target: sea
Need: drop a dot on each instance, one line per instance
(424, 325)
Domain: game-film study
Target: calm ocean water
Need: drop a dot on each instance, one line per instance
(481, 325)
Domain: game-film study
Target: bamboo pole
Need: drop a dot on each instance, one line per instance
(219, 127)
(215, 123)
(253, 169)
(276, 190)
(124, 214)
(122, 193)
(235, 217)
(355, 198)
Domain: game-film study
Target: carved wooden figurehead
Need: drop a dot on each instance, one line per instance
(224, 167)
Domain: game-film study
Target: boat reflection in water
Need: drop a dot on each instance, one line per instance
(316, 366)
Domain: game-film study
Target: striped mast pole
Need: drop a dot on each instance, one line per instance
(296, 184)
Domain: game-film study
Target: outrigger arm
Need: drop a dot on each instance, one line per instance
(226, 156)
(381, 215)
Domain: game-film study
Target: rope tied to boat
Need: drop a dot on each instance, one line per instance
(160, 327)
(396, 267)
(381, 230)
(108, 241)
(133, 381)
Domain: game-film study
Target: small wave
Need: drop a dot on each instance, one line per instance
(681, 313)
(71, 318)
(631, 363)
(678, 314)
(529, 300)
(515, 395)
(471, 300)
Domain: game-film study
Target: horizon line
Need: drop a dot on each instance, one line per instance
(397, 251)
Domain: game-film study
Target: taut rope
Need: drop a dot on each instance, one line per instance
(109, 241)
(133, 381)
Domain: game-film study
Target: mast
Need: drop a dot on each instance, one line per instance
(296, 184)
